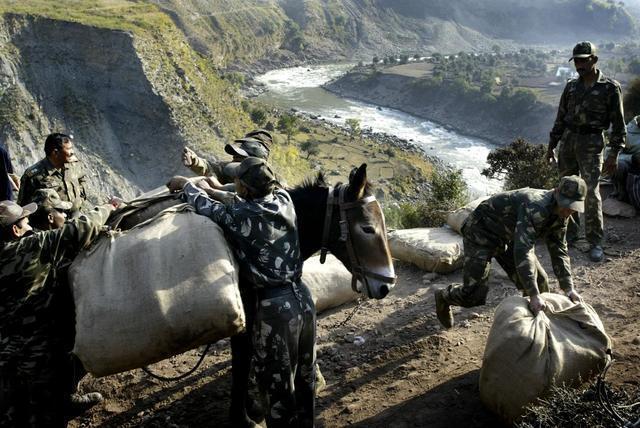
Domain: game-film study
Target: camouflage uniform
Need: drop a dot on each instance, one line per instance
(506, 226)
(263, 234)
(583, 116)
(34, 391)
(68, 182)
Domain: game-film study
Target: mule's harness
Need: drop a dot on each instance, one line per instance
(335, 197)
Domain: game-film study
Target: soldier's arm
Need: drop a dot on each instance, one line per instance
(524, 243)
(204, 205)
(557, 246)
(618, 128)
(76, 234)
(200, 166)
(559, 125)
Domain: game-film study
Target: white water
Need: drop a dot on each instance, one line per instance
(299, 88)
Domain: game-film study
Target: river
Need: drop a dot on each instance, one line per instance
(299, 88)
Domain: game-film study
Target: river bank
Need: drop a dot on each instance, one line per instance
(467, 113)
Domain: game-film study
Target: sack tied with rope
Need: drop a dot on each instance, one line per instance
(526, 355)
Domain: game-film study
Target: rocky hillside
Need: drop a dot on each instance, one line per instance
(285, 31)
(132, 92)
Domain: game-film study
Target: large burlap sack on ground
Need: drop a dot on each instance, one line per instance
(456, 219)
(525, 356)
(329, 283)
(156, 290)
(435, 249)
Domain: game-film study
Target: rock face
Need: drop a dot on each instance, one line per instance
(128, 104)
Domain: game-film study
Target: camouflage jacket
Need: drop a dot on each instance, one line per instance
(68, 182)
(587, 110)
(29, 330)
(262, 232)
(520, 217)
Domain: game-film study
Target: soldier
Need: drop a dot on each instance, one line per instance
(261, 228)
(58, 171)
(506, 227)
(256, 143)
(33, 391)
(8, 180)
(589, 104)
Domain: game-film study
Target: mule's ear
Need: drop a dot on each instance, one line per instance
(358, 181)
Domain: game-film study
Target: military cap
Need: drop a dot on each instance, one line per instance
(253, 172)
(262, 135)
(49, 198)
(11, 213)
(246, 147)
(571, 193)
(583, 50)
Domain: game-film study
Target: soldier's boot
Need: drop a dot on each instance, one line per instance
(443, 309)
(596, 254)
(80, 403)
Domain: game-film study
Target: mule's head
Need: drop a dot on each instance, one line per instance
(362, 244)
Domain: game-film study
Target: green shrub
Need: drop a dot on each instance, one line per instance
(258, 116)
(448, 192)
(522, 164)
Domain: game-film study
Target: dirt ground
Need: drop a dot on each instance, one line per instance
(408, 372)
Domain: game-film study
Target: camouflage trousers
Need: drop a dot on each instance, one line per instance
(283, 360)
(477, 266)
(37, 399)
(582, 155)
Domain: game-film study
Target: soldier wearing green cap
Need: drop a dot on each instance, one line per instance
(589, 105)
(34, 390)
(506, 227)
(261, 228)
(256, 143)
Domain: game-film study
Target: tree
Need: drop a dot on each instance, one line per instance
(495, 48)
(522, 164)
(632, 99)
(375, 60)
(634, 66)
(288, 124)
(311, 147)
(354, 128)
(258, 116)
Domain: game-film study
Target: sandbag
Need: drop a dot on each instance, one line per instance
(615, 208)
(154, 291)
(456, 219)
(436, 249)
(329, 283)
(526, 355)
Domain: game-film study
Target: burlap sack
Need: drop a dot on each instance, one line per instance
(456, 219)
(154, 291)
(433, 249)
(329, 283)
(526, 355)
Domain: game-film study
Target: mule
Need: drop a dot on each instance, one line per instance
(345, 220)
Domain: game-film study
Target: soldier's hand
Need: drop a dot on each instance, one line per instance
(116, 202)
(610, 164)
(188, 156)
(536, 304)
(177, 183)
(574, 296)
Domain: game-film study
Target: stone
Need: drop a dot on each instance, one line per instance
(615, 208)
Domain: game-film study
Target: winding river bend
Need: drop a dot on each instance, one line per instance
(300, 88)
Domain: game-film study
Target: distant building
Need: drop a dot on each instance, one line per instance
(565, 73)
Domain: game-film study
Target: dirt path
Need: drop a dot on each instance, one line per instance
(408, 372)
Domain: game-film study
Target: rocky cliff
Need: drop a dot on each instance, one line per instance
(131, 100)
